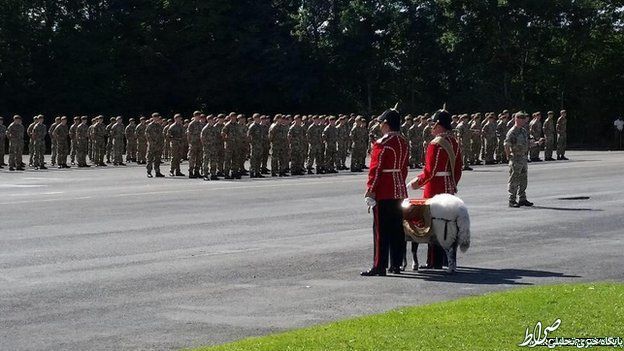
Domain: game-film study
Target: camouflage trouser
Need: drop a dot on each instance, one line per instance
(475, 149)
(81, 152)
(358, 156)
(416, 153)
(279, 159)
(490, 148)
(296, 158)
(166, 149)
(90, 150)
(154, 155)
(517, 178)
(561, 144)
(31, 151)
(549, 146)
(534, 151)
(131, 149)
(176, 155)
(16, 147)
(315, 153)
(265, 155)
(242, 157)
(62, 150)
(118, 149)
(232, 159)
(500, 150)
(220, 159)
(330, 157)
(141, 151)
(209, 160)
(72, 152)
(466, 155)
(342, 154)
(2, 141)
(109, 149)
(99, 151)
(38, 148)
(195, 158)
(255, 159)
(53, 151)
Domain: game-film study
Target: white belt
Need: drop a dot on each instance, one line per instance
(395, 170)
(443, 174)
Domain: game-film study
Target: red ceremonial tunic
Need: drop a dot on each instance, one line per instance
(388, 167)
(436, 177)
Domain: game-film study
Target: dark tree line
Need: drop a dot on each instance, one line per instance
(312, 56)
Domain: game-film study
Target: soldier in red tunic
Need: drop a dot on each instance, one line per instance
(386, 190)
(442, 172)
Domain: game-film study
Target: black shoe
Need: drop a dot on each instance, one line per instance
(310, 171)
(525, 202)
(192, 176)
(11, 169)
(374, 272)
(214, 177)
(66, 166)
(206, 178)
(563, 158)
(60, 167)
(259, 175)
(121, 164)
(364, 167)
(549, 159)
(171, 174)
(228, 177)
(468, 168)
(160, 175)
(394, 270)
(237, 176)
(180, 174)
(514, 204)
(43, 167)
(273, 174)
(149, 175)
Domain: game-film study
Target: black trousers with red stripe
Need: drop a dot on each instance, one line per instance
(388, 235)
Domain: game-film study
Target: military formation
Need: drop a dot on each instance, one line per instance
(218, 146)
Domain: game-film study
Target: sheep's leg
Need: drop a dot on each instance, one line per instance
(451, 256)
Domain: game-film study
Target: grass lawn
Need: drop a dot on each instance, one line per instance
(495, 321)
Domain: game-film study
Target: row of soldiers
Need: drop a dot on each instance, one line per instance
(218, 146)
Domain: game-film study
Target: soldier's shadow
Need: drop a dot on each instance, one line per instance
(565, 208)
(484, 276)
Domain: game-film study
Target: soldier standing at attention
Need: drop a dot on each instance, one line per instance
(209, 149)
(154, 136)
(501, 133)
(475, 143)
(489, 136)
(92, 139)
(254, 136)
(517, 144)
(315, 146)
(279, 149)
(359, 141)
(374, 133)
(57, 121)
(31, 147)
(15, 134)
(330, 139)
(296, 137)
(464, 138)
(549, 136)
(82, 140)
(230, 134)
(175, 132)
(535, 133)
(265, 123)
(38, 135)
(406, 125)
(61, 133)
(193, 137)
(242, 145)
(72, 138)
(166, 142)
(342, 135)
(562, 123)
(185, 145)
(131, 141)
(109, 140)
(117, 133)
(385, 191)
(99, 145)
(141, 141)
(2, 141)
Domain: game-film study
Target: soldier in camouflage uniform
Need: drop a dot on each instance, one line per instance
(549, 136)
(141, 141)
(109, 140)
(359, 140)
(535, 133)
(464, 138)
(38, 134)
(15, 135)
(278, 136)
(489, 136)
(57, 121)
(265, 123)
(297, 139)
(231, 136)
(131, 141)
(175, 134)
(501, 133)
(414, 136)
(374, 133)
(193, 137)
(315, 146)
(61, 134)
(92, 140)
(155, 140)
(517, 144)
(342, 136)
(562, 138)
(2, 142)
(475, 141)
(242, 144)
(72, 140)
(329, 139)
(255, 139)
(116, 134)
(209, 138)
(166, 142)
(31, 141)
(99, 135)
(82, 142)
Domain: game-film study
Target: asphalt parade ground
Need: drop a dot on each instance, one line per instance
(107, 259)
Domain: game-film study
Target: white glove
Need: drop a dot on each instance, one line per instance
(370, 202)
